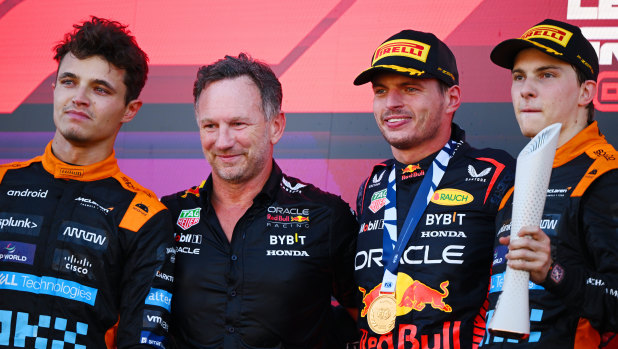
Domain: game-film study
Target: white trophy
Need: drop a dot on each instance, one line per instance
(511, 318)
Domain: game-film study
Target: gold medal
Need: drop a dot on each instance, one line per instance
(382, 313)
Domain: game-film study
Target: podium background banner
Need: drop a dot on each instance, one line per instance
(316, 48)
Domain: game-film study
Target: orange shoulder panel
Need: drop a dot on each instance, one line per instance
(606, 159)
(143, 206)
(16, 165)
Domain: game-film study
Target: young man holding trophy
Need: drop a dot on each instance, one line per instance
(572, 257)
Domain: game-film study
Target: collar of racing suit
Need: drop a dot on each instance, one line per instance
(97, 171)
(577, 145)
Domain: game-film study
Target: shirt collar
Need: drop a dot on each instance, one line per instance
(60, 169)
(578, 144)
(265, 196)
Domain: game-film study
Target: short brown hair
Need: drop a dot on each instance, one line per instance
(112, 41)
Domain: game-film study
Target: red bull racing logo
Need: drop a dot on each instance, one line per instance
(412, 171)
(287, 217)
(410, 295)
(300, 219)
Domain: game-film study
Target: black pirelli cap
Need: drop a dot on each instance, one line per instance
(415, 54)
(557, 39)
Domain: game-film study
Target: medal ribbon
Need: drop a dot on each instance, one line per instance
(393, 246)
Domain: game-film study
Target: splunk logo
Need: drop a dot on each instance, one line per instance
(47, 285)
(83, 235)
(25, 327)
(20, 223)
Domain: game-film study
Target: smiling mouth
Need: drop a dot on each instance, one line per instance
(393, 120)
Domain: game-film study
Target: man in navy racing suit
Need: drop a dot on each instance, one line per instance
(573, 256)
(85, 251)
(440, 269)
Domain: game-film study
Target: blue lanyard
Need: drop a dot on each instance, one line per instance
(393, 246)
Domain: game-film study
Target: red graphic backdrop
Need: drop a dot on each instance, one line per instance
(315, 47)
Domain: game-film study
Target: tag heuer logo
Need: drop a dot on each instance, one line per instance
(189, 218)
(378, 200)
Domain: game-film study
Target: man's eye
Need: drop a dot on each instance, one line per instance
(101, 90)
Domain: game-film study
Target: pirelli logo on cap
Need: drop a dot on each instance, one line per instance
(404, 48)
(549, 32)
(72, 172)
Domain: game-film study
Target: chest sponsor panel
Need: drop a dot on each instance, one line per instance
(288, 217)
(154, 319)
(20, 223)
(413, 255)
(17, 252)
(48, 285)
(188, 218)
(451, 197)
(28, 193)
(288, 245)
(74, 263)
(17, 328)
(549, 223)
(84, 235)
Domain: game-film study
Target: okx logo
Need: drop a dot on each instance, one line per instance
(21, 326)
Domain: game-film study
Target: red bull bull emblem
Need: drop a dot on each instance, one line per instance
(418, 295)
(300, 219)
(411, 171)
(410, 295)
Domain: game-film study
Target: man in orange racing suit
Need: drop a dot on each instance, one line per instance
(425, 243)
(573, 257)
(85, 251)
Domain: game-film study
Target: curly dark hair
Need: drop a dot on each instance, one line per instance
(233, 67)
(112, 41)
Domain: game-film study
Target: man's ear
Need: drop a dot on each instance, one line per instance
(131, 110)
(276, 128)
(454, 99)
(587, 92)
